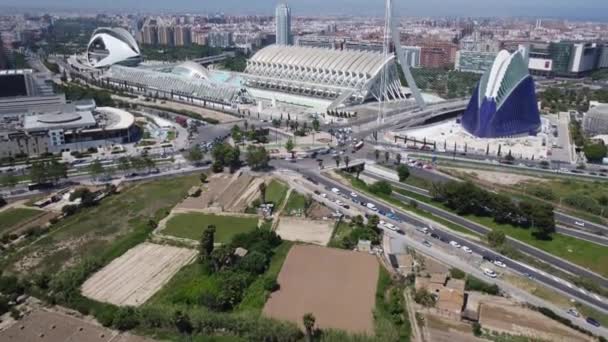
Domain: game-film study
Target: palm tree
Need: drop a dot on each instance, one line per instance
(262, 189)
(309, 324)
(346, 161)
(377, 153)
(398, 156)
(387, 156)
(338, 160)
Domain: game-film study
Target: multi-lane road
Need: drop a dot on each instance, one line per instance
(565, 287)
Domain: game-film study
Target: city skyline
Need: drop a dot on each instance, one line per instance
(587, 10)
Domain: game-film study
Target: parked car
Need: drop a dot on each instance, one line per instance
(467, 249)
(488, 272)
(573, 312)
(426, 243)
(593, 322)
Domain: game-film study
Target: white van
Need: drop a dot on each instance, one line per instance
(335, 190)
(371, 206)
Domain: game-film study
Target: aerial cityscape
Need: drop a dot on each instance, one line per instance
(303, 171)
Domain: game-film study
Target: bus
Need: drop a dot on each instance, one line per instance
(358, 145)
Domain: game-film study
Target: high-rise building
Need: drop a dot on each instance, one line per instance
(150, 33)
(438, 55)
(219, 39)
(165, 35)
(603, 61)
(283, 24)
(182, 35)
(473, 61)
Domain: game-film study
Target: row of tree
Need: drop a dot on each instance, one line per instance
(465, 198)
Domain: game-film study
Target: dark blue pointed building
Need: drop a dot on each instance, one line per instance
(504, 101)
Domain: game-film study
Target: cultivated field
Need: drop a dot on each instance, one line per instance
(119, 219)
(43, 325)
(192, 225)
(12, 218)
(224, 192)
(325, 281)
(304, 230)
(516, 320)
(136, 275)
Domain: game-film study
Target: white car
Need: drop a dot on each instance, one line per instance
(335, 190)
(353, 195)
(580, 224)
(467, 249)
(573, 312)
(489, 273)
(454, 244)
(390, 226)
(499, 263)
(324, 195)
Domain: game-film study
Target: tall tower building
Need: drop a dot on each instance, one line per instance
(283, 24)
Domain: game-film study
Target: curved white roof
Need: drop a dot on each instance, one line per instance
(356, 62)
(506, 73)
(192, 70)
(120, 119)
(109, 46)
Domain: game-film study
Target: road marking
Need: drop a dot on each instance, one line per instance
(583, 291)
(598, 297)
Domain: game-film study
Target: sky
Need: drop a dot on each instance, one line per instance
(576, 9)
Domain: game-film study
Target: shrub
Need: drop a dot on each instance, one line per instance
(381, 188)
(457, 273)
(476, 284)
(271, 284)
(477, 329)
(125, 318)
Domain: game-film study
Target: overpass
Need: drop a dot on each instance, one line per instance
(411, 117)
(214, 59)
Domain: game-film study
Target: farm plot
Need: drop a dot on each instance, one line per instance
(12, 218)
(303, 230)
(135, 276)
(512, 319)
(191, 225)
(324, 281)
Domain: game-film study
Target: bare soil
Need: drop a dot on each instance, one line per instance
(318, 211)
(42, 325)
(500, 178)
(326, 282)
(135, 276)
(303, 230)
(445, 330)
(516, 320)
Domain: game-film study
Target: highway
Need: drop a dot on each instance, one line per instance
(540, 276)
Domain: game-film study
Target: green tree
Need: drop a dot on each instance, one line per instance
(595, 152)
(496, 238)
(315, 124)
(381, 187)
(257, 157)
(403, 172)
(56, 171)
(96, 168)
(262, 188)
(203, 177)
(424, 297)
(222, 257)
(182, 323)
(206, 244)
(38, 173)
(309, 325)
(195, 155)
(289, 146)
(236, 133)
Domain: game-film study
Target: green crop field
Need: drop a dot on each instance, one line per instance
(191, 226)
(296, 203)
(275, 193)
(108, 229)
(11, 217)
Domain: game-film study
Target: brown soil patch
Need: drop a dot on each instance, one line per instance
(224, 192)
(43, 325)
(303, 230)
(446, 330)
(325, 282)
(500, 178)
(517, 320)
(135, 276)
(318, 211)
